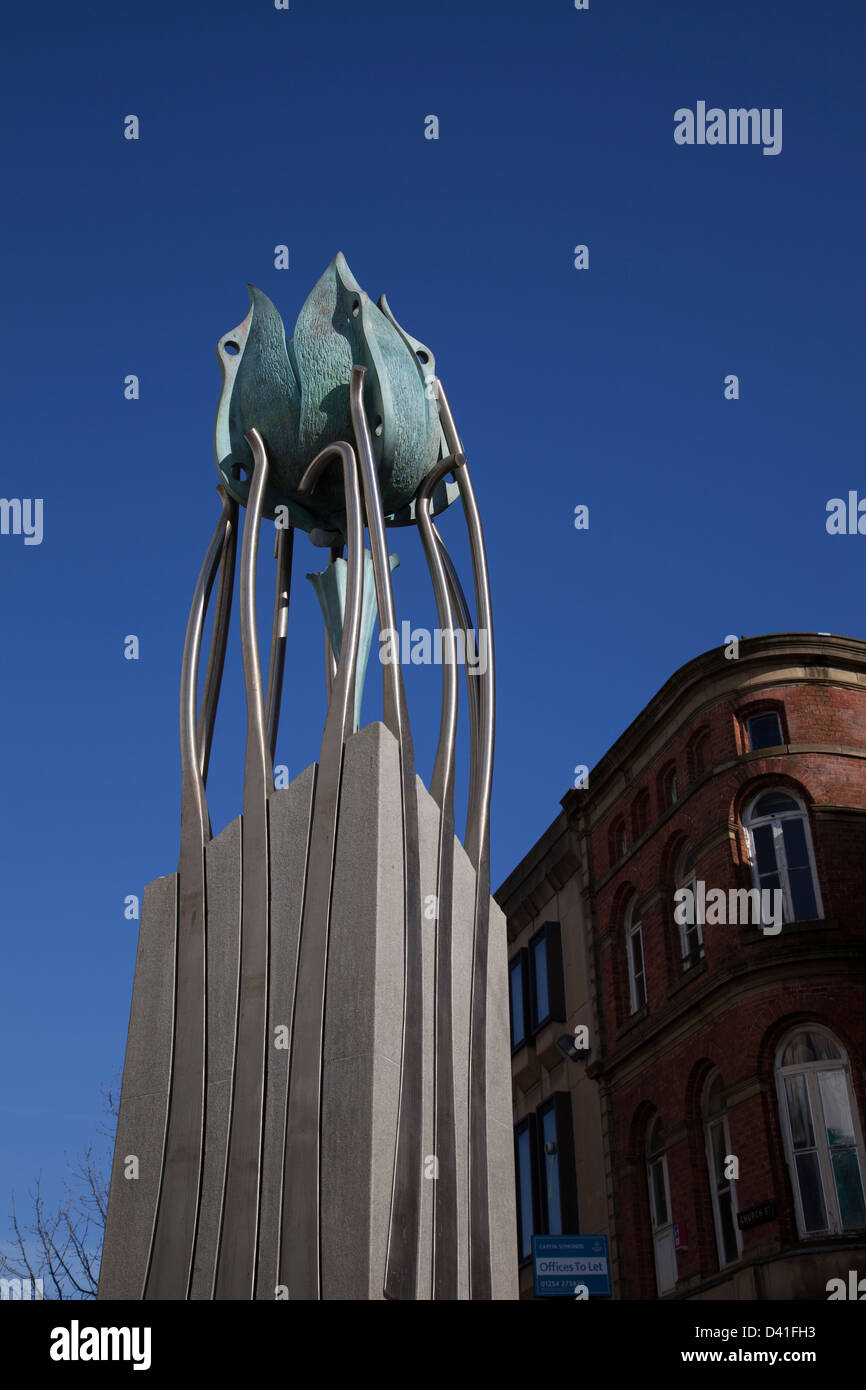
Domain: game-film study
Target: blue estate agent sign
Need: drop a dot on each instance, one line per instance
(560, 1263)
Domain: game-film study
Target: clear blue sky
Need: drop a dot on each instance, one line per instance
(605, 387)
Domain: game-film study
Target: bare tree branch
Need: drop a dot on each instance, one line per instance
(63, 1248)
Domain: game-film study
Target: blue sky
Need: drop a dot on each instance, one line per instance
(601, 387)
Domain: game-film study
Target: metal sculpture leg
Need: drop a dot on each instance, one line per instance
(283, 547)
(478, 849)
(239, 1231)
(401, 1272)
(460, 608)
(300, 1256)
(169, 1267)
(330, 659)
(445, 1223)
(219, 639)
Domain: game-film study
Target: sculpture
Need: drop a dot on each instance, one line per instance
(347, 425)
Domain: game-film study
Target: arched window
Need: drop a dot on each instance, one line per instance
(660, 1208)
(691, 938)
(821, 1130)
(697, 753)
(781, 855)
(723, 1189)
(617, 841)
(668, 786)
(634, 951)
(640, 815)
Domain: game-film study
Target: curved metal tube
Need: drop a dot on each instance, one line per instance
(219, 636)
(169, 1265)
(465, 627)
(283, 547)
(433, 550)
(300, 1254)
(401, 1271)
(478, 849)
(445, 1222)
(330, 659)
(239, 1228)
(486, 688)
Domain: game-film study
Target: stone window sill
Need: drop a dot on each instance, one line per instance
(632, 1021)
(688, 976)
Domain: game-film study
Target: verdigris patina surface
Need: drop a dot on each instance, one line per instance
(297, 395)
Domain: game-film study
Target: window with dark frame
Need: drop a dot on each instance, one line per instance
(526, 1171)
(764, 730)
(545, 1173)
(557, 1178)
(546, 984)
(518, 987)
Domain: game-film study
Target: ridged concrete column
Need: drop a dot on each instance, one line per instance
(361, 1057)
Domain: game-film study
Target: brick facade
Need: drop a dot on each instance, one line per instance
(680, 779)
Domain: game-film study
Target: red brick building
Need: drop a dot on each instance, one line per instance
(698, 909)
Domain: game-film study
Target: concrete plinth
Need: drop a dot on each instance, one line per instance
(361, 1045)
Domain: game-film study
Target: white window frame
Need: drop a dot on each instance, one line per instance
(710, 1121)
(664, 1250)
(683, 879)
(635, 929)
(825, 1168)
(750, 822)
